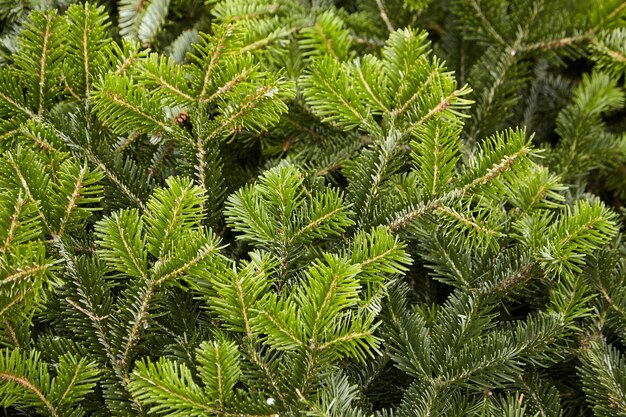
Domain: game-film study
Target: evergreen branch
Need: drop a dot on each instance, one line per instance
(134, 333)
(22, 273)
(9, 133)
(368, 175)
(164, 84)
(172, 212)
(441, 106)
(219, 369)
(497, 169)
(467, 220)
(259, 109)
(202, 170)
(73, 199)
(69, 88)
(87, 313)
(88, 309)
(369, 88)
(380, 255)
(228, 86)
(214, 57)
(120, 235)
(436, 153)
(115, 179)
(323, 305)
(127, 247)
(43, 60)
(170, 78)
(499, 73)
(331, 88)
(237, 291)
(435, 71)
(29, 192)
(17, 106)
(516, 278)
(152, 21)
(170, 385)
(329, 91)
(349, 337)
(544, 397)
(119, 104)
(384, 16)
(583, 229)
(615, 306)
(88, 50)
(15, 223)
(32, 387)
(611, 52)
(329, 292)
(283, 329)
(72, 383)
(233, 11)
(128, 61)
(319, 235)
(244, 308)
(553, 44)
(202, 255)
(12, 333)
(327, 41)
(85, 51)
(267, 372)
(615, 12)
(219, 376)
(406, 217)
(245, 210)
(249, 102)
(602, 372)
(270, 39)
(314, 223)
(496, 157)
(375, 259)
(15, 301)
(39, 140)
(485, 21)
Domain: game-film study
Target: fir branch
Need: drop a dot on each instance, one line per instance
(112, 176)
(612, 15)
(214, 55)
(270, 39)
(22, 273)
(283, 329)
(172, 384)
(434, 73)
(370, 89)
(30, 386)
(487, 25)
(17, 106)
(384, 16)
(13, 161)
(440, 107)
(126, 107)
(471, 222)
(202, 255)
(134, 332)
(13, 302)
(43, 60)
(553, 44)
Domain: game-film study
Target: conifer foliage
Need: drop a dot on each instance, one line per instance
(291, 207)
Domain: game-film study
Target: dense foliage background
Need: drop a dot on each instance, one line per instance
(320, 208)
